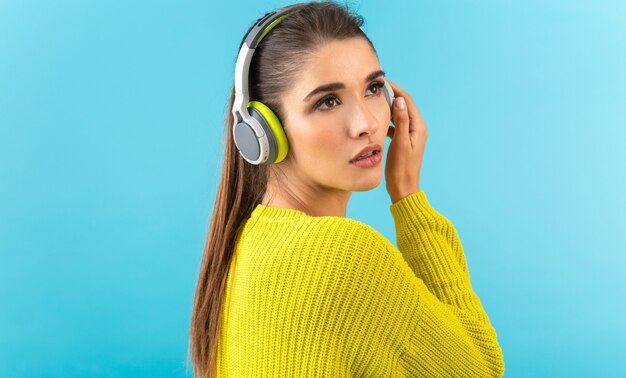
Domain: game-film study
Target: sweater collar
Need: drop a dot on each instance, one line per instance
(263, 211)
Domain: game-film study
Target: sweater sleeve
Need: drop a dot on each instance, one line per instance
(453, 336)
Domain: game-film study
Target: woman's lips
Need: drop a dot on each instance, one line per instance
(366, 149)
(370, 161)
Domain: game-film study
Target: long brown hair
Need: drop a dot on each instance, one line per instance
(275, 64)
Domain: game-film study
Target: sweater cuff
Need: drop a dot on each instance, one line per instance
(413, 209)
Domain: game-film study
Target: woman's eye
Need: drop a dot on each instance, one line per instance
(326, 103)
(331, 101)
(376, 86)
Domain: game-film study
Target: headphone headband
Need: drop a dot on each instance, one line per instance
(248, 45)
(264, 25)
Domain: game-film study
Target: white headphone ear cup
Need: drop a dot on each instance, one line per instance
(388, 92)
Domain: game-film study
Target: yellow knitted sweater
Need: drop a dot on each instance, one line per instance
(331, 297)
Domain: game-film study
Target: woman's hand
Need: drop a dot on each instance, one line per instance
(408, 141)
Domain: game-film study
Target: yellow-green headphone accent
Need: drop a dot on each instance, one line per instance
(276, 126)
(271, 26)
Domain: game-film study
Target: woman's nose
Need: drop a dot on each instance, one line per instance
(362, 119)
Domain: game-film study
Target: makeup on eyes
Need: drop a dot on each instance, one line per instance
(378, 84)
(335, 86)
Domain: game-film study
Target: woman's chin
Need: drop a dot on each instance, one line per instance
(367, 183)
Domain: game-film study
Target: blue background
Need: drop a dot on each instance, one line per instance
(111, 119)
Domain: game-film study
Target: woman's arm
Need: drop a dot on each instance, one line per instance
(429, 243)
(454, 332)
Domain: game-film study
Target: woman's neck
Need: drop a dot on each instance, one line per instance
(312, 202)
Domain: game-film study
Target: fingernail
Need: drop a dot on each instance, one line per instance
(400, 102)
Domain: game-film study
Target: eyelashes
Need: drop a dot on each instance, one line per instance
(330, 101)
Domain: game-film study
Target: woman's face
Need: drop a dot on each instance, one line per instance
(328, 128)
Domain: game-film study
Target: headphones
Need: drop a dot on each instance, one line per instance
(257, 131)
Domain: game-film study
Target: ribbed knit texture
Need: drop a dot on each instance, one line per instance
(332, 297)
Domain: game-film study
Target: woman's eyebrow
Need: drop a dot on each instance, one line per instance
(334, 86)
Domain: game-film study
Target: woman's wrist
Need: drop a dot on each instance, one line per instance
(397, 196)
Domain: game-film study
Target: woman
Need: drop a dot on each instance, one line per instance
(288, 285)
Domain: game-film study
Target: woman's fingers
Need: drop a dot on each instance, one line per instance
(400, 118)
(406, 150)
(415, 119)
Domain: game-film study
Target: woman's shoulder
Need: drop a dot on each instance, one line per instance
(291, 231)
(347, 230)
(328, 255)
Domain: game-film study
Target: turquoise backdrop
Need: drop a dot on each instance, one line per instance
(111, 119)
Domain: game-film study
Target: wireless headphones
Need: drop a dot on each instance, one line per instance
(257, 131)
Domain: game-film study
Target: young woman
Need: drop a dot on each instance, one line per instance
(288, 285)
